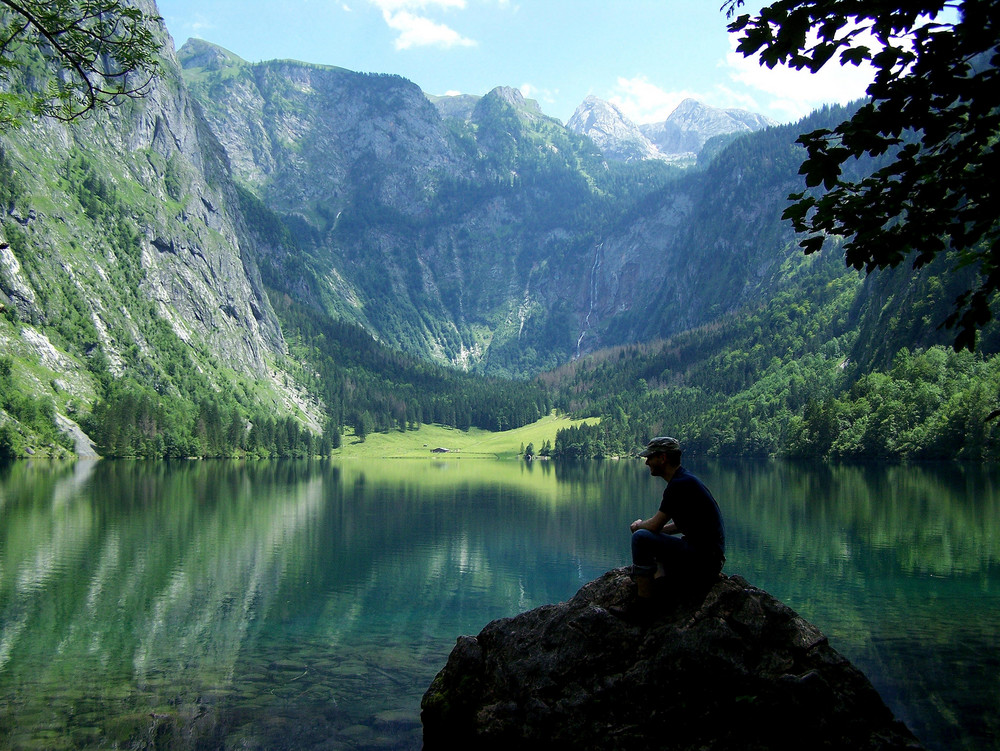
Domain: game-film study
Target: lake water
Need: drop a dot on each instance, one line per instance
(295, 605)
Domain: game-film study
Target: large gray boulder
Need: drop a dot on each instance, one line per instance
(730, 669)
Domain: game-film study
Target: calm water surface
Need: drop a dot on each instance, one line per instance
(284, 605)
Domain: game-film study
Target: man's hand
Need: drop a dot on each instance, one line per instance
(654, 524)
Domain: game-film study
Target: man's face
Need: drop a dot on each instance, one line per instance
(657, 463)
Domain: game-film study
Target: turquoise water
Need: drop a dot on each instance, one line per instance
(294, 605)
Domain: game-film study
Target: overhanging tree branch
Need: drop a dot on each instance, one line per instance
(97, 54)
(934, 108)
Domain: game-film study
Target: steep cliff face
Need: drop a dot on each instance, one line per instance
(200, 269)
(704, 246)
(123, 233)
(311, 136)
(350, 160)
(390, 203)
(504, 240)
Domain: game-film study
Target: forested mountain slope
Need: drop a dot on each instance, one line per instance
(831, 366)
(256, 256)
(496, 240)
(477, 231)
(134, 305)
(125, 261)
(505, 242)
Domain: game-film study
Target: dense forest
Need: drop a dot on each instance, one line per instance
(833, 367)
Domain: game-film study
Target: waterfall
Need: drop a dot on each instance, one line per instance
(593, 296)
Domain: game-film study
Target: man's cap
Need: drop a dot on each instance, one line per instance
(661, 444)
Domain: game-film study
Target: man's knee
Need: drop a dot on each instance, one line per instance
(642, 536)
(643, 553)
(643, 542)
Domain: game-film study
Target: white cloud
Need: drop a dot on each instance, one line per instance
(645, 102)
(415, 28)
(417, 31)
(723, 96)
(199, 25)
(796, 93)
(530, 91)
(783, 93)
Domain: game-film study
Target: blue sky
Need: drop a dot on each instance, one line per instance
(643, 55)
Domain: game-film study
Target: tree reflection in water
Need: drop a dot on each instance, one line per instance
(284, 604)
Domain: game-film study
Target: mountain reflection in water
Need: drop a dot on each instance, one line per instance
(296, 604)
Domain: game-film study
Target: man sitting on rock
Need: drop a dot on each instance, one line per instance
(682, 564)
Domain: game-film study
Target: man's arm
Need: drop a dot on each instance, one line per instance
(656, 523)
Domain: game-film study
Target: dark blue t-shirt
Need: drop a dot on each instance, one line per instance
(691, 506)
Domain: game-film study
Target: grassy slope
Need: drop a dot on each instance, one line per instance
(472, 443)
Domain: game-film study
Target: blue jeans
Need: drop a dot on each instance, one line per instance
(678, 556)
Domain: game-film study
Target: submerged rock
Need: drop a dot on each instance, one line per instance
(730, 669)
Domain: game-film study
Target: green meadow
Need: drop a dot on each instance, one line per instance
(474, 442)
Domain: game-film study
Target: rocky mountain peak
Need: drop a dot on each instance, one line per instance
(689, 111)
(510, 95)
(693, 122)
(197, 53)
(507, 97)
(607, 126)
(696, 115)
(681, 136)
